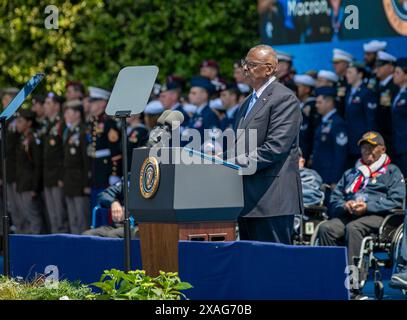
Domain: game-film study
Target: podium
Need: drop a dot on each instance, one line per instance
(179, 194)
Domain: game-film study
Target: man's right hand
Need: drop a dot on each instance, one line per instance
(117, 211)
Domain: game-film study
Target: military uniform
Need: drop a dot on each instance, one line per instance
(360, 116)
(310, 122)
(28, 180)
(330, 148)
(399, 129)
(52, 173)
(342, 88)
(387, 91)
(104, 150)
(76, 177)
(228, 121)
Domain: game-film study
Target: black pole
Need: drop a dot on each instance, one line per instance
(127, 237)
(6, 226)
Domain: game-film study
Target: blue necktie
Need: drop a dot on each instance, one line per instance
(251, 104)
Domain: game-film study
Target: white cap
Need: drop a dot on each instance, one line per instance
(190, 108)
(341, 55)
(374, 46)
(328, 75)
(154, 107)
(384, 56)
(284, 56)
(98, 93)
(304, 79)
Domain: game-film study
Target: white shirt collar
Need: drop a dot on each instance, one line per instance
(326, 117)
(231, 111)
(175, 106)
(263, 87)
(386, 81)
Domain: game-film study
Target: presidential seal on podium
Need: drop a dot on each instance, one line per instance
(149, 177)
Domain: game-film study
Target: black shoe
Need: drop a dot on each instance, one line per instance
(358, 295)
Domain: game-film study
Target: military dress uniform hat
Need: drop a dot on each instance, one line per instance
(326, 92)
(210, 64)
(372, 137)
(96, 93)
(402, 63)
(10, 90)
(384, 58)
(328, 75)
(304, 79)
(173, 85)
(374, 46)
(341, 55)
(203, 82)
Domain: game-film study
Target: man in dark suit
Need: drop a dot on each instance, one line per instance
(272, 193)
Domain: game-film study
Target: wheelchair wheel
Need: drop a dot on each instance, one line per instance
(314, 238)
(395, 247)
(378, 290)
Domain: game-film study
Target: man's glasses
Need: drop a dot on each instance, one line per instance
(252, 64)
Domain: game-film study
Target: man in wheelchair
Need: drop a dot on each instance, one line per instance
(362, 198)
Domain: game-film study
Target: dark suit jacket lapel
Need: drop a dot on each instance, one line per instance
(241, 112)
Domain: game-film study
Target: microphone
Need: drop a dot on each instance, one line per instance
(164, 126)
(174, 119)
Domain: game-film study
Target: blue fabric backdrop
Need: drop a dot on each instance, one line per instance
(217, 270)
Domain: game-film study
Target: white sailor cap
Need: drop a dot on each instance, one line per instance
(154, 107)
(284, 56)
(304, 79)
(341, 55)
(374, 46)
(328, 75)
(386, 57)
(98, 93)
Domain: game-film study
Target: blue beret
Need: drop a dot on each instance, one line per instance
(326, 92)
(204, 83)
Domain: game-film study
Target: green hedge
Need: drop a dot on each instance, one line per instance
(96, 38)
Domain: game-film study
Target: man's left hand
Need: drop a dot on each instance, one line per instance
(360, 208)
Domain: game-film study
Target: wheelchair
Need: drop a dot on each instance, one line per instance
(380, 250)
(306, 226)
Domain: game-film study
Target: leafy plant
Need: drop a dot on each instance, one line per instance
(136, 285)
(11, 289)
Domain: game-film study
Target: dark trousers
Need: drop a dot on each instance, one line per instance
(268, 229)
(349, 230)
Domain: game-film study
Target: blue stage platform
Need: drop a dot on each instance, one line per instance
(217, 270)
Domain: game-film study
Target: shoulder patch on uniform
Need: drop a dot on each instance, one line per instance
(341, 139)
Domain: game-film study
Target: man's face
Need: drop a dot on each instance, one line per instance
(49, 107)
(38, 108)
(382, 72)
(259, 67)
(303, 90)
(72, 93)
(283, 68)
(352, 76)
(340, 67)
(97, 107)
(370, 58)
(371, 153)
(22, 124)
(168, 98)
(238, 75)
(209, 72)
(324, 105)
(5, 100)
(198, 96)
(399, 77)
(321, 82)
(228, 99)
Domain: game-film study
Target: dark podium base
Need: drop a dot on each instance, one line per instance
(159, 241)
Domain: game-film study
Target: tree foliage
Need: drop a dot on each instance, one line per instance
(95, 38)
